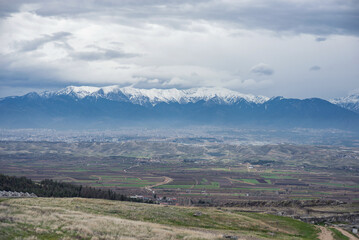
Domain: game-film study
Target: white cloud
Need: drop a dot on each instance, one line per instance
(314, 68)
(262, 69)
(36, 43)
(321, 39)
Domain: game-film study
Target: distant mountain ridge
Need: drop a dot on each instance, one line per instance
(350, 102)
(155, 96)
(111, 107)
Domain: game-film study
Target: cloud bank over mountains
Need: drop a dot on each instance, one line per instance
(261, 47)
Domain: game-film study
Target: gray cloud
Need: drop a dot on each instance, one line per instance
(147, 82)
(97, 43)
(34, 44)
(31, 76)
(6, 7)
(262, 69)
(60, 40)
(314, 68)
(319, 17)
(102, 54)
(165, 83)
(321, 39)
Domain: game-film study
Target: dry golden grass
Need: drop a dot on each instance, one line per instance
(67, 224)
(69, 218)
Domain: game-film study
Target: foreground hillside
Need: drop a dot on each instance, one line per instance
(59, 218)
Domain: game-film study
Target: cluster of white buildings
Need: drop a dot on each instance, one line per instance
(16, 194)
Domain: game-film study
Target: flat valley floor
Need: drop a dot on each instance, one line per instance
(191, 173)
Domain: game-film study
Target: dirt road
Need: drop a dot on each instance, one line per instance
(165, 181)
(350, 236)
(325, 234)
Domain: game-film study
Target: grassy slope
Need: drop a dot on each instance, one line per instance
(55, 218)
(338, 235)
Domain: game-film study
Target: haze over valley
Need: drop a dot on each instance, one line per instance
(154, 119)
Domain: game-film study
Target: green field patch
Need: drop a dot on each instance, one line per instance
(239, 170)
(105, 185)
(195, 169)
(120, 181)
(275, 176)
(256, 189)
(157, 168)
(249, 180)
(338, 185)
(126, 180)
(221, 169)
(190, 183)
(138, 182)
(76, 180)
(320, 193)
(175, 186)
(122, 184)
(136, 185)
(204, 181)
(192, 194)
(213, 185)
(304, 230)
(338, 235)
(110, 177)
(285, 172)
(74, 170)
(239, 194)
(303, 198)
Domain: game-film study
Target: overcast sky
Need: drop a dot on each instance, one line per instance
(291, 48)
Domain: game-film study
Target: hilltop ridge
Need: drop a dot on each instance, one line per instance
(112, 106)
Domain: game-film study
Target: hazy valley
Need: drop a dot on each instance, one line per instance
(180, 120)
(208, 163)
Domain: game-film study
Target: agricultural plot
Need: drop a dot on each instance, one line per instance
(140, 169)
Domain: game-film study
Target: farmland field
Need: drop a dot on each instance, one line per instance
(192, 172)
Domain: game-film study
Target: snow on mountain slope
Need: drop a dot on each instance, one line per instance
(350, 102)
(353, 98)
(155, 96)
(79, 92)
(112, 106)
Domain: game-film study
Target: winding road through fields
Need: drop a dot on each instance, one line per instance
(165, 181)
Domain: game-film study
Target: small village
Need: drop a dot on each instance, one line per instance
(5, 194)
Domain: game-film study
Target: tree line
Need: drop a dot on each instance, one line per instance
(51, 188)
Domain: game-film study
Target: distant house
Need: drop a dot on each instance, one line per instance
(136, 197)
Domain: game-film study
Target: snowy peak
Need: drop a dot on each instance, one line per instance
(116, 107)
(79, 92)
(155, 96)
(224, 96)
(350, 102)
(353, 98)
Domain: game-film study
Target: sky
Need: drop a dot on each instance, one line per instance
(290, 48)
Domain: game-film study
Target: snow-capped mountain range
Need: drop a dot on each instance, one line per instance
(155, 96)
(350, 102)
(110, 107)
